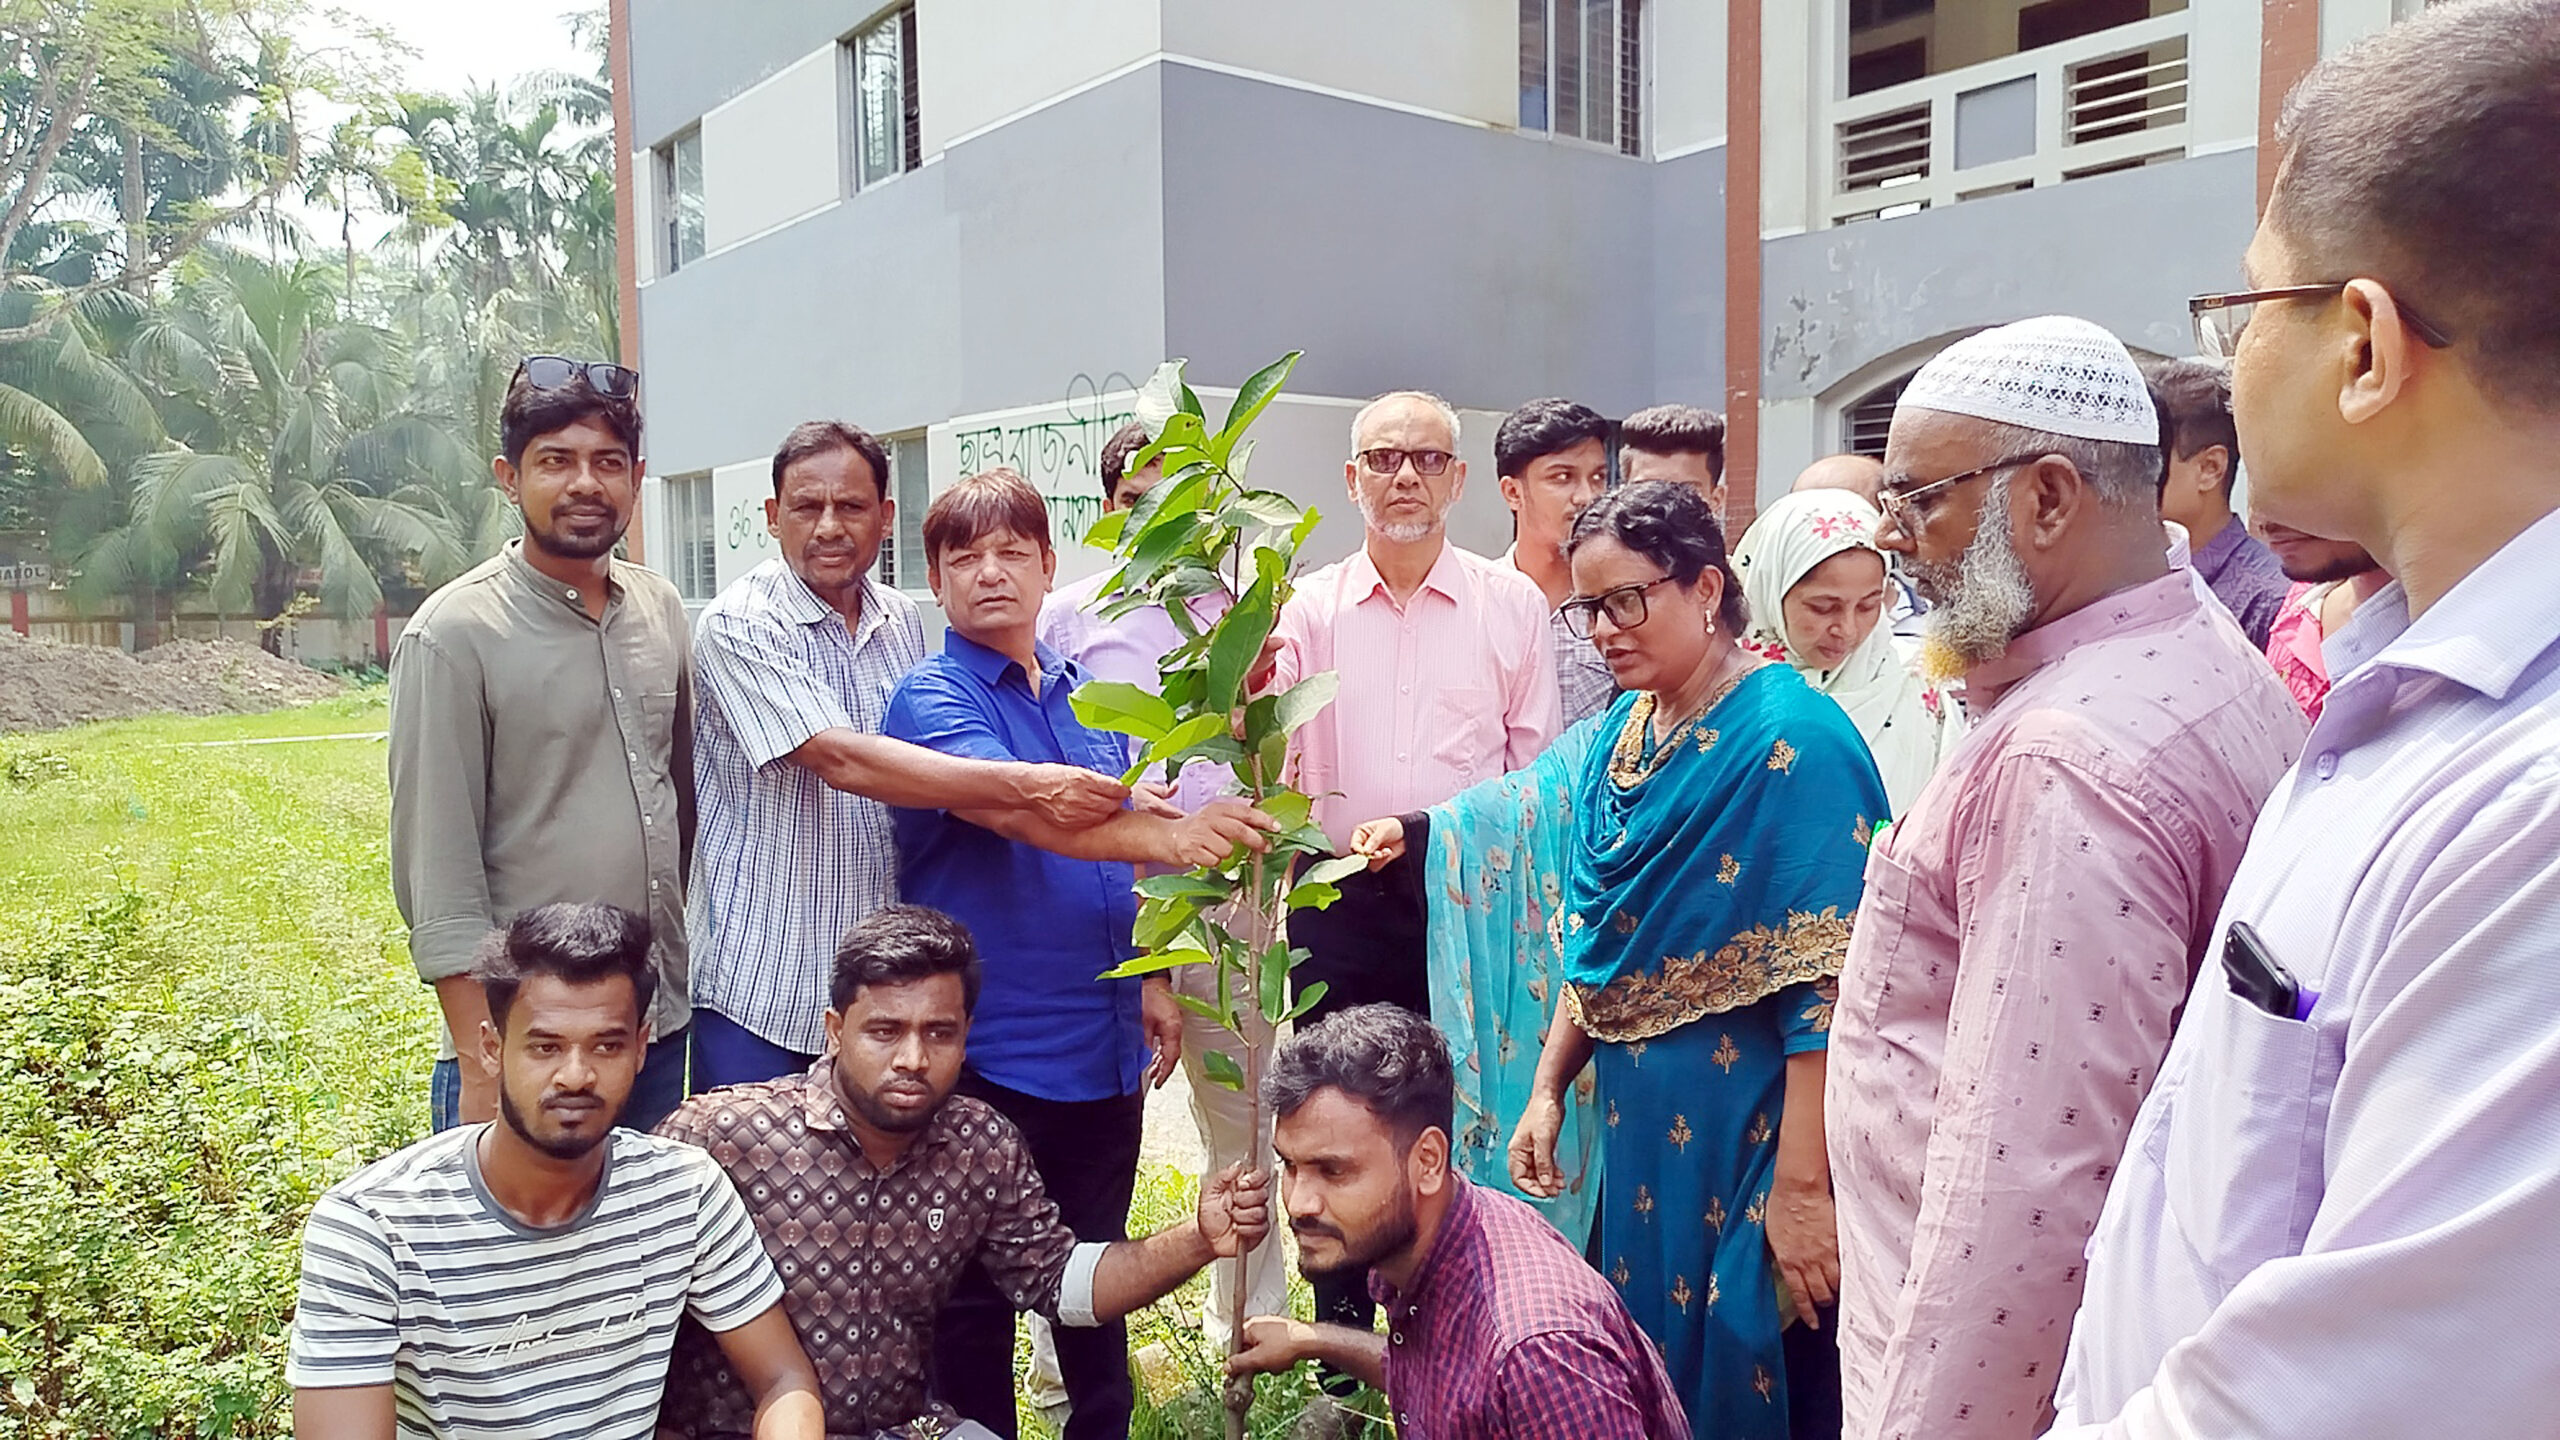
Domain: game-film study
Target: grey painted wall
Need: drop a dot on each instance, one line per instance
(1398, 250)
(2124, 250)
(986, 279)
(687, 56)
(1688, 280)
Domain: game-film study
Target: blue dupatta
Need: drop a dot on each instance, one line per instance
(1494, 879)
(1721, 866)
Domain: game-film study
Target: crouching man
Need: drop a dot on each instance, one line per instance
(875, 1188)
(1496, 1329)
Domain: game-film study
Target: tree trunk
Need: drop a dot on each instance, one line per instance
(133, 204)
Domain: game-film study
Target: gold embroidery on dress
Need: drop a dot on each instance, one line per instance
(1631, 762)
(1621, 1274)
(1715, 1213)
(1613, 1114)
(1644, 1201)
(1864, 832)
(1623, 923)
(1752, 966)
(1681, 1134)
(1763, 1381)
(1818, 1014)
(1715, 1291)
(1726, 1055)
(1681, 1294)
(1782, 756)
(1729, 871)
(1707, 740)
(1757, 1212)
(1760, 1131)
(1635, 1055)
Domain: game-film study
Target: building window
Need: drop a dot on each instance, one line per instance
(1582, 70)
(880, 69)
(1863, 425)
(680, 199)
(902, 553)
(694, 553)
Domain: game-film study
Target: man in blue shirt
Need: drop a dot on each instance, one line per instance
(1062, 1054)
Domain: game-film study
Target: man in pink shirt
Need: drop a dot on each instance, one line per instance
(2031, 928)
(1447, 678)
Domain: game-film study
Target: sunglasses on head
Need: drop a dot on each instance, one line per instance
(559, 372)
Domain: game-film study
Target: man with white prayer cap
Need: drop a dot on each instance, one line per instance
(2031, 927)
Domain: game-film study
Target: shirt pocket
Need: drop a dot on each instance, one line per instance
(2236, 1153)
(1877, 936)
(1464, 731)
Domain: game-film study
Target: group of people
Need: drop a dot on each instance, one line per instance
(2001, 950)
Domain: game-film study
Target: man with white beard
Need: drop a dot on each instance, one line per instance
(1447, 678)
(2031, 927)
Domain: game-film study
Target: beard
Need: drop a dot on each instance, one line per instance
(1398, 532)
(1395, 1234)
(883, 1116)
(558, 1147)
(1981, 600)
(576, 547)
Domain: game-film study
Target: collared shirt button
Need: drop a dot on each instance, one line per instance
(631, 755)
(572, 594)
(2327, 765)
(648, 819)
(617, 692)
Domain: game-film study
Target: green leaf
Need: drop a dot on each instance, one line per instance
(1180, 887)
(1188, 735)
(1258, 392)
(1191, 407)
(1176, 494)
(1202, 1008)
(1222, 1068)
(1262, 507)
(1274, 975)
(1310, 895)
(1307, 999)
(1303, 701)
(1289, 807)
(1162, 922)
(1299, 532)
(1153, 962)
(1118, 705)
(1105, 532)
(1237, 643)
(1328, 871)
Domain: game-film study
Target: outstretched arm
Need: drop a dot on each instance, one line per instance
(893, 772)
(1275, 1342)
(350, 1412)
(765, 1353)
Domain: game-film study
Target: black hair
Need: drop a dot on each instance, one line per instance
(1676, 430)
(531, 411)
(817, 437)
(576, 944)
(2194, 397)
(1386, 1057)
(2413, 158)
(1540, 429)
(1671, 525)
(1126, 441)
(899, 944)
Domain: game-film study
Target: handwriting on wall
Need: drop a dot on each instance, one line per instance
(1061, 458)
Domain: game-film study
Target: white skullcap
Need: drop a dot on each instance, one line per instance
(2054, 373)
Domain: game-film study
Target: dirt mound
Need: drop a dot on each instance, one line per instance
(45, 685)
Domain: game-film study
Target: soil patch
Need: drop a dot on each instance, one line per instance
(45, 685)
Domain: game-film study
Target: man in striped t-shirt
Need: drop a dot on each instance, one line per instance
(525, 1277)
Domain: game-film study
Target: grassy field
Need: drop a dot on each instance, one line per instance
(207, 1016)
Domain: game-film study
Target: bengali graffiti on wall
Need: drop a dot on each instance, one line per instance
(1061, 456)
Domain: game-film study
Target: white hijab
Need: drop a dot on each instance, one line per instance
(1908, 723)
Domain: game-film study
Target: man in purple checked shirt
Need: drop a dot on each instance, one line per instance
(1496, 1328)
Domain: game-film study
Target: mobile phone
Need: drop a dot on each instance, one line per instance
(2259, 978)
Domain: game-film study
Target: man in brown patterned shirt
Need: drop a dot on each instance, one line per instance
(875, 1188)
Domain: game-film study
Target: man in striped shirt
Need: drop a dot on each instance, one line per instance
(525, 1276)
(794, 665)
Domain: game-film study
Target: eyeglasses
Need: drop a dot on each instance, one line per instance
(1387, 460)
(1624, 606)
(2219, 319)
(1897, 506)
(559, 372)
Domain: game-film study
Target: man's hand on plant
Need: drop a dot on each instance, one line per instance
(1257, 679)
(1154, 797)
(1072, 797)
(1160, 1015)
(1213, 833)
(1235, 1210)
(1382, 841)
(1272, 1343)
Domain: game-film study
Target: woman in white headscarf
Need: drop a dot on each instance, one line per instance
(1815, 584)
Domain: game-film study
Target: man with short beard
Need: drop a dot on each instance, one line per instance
(542, 727)
(2031, 927)
(488, 1282)
(1497, 1329)
(2331, 581)
(876, 1188)
(1553, 460)
(1447, 677)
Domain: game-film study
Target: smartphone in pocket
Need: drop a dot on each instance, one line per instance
(2257, 976)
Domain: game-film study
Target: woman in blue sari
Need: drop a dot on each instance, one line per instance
(1721, 828)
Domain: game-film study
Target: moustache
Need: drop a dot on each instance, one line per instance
(1315, 1227)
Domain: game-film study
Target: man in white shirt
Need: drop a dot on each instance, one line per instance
(2335, 1215)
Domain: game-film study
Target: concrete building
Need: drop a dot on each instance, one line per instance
(972, 225)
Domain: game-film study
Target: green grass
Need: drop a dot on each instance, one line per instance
(207, 1017)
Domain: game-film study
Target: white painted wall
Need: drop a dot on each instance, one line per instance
(983, 60)
(2222, 75)
(1797, 72)
(738, 493)
(1453, 57)
(2344, 22)
(774, 152)
(1686, 73)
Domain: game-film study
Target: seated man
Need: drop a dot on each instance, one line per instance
(486, 1282)
(1497, 1329)
(876, 1188)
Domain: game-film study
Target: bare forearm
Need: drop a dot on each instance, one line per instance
(1129, 836)
(466, 1009)
(1135, 1273)
(895, 772)
(1567, 1050)
(791, 1411)
(1804, 1160)
(1361, 1354)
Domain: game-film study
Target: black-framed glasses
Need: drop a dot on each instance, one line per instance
(1387, 460)
(559, 372)
(1624, 606)
(1897, 504)
(2219, 319)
